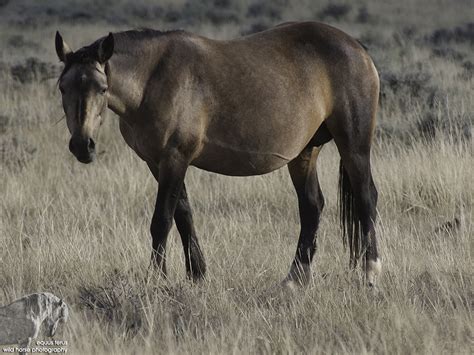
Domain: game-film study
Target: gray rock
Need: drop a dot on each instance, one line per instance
(37, 314)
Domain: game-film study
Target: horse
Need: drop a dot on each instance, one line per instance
(22, 320)
(240, 107)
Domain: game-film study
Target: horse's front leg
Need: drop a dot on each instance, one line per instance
(194, 259)
(171, 171)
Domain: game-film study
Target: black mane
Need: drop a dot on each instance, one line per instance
(84, 55)
(142, 33)
(89, 54)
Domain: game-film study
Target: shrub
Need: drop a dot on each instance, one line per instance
(363, 15)
(214, 11)
(34, 69)
(458, 34)
(254, 28)
(265, 10)
(448, 53)
(335, 11)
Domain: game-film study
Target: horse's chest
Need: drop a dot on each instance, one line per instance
(131, 137)
(144, 140)
(128, 134)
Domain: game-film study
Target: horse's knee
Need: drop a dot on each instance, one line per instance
(160, 221)
(159, 228)
(183, 213)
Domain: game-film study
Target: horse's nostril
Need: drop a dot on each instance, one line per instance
(83, 148)
(91, 145)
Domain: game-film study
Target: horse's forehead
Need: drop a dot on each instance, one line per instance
(83, 73)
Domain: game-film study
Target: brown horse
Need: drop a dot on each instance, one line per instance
(241, 107)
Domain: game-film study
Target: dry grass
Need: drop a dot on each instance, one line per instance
(82, 231)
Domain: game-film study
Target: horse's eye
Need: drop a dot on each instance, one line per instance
(103, 90)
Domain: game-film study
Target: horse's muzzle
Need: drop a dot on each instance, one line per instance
(83, 149)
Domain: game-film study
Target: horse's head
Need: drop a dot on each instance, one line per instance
(83, 86)
(58, 316)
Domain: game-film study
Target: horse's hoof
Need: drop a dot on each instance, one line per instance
(196, 277)
(291, 285)
(278, 290)
(373, 289)
(374, 268)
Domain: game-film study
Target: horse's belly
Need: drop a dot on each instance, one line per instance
(231, 162)
(256, 146)
(250, 153)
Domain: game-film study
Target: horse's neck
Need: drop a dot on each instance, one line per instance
(128, 74)
(118, 81)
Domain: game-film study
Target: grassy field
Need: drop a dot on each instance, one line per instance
(82, 232)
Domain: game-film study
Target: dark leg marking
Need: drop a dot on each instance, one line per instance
(194, 259)
(357, 188)
(310, 203)
(170, 175)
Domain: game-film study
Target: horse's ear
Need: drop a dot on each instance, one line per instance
(106, 48)
(62, 49)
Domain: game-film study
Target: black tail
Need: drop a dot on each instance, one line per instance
(349, 219)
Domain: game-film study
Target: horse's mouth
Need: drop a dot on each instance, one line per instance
(86, 159)
(83, 149)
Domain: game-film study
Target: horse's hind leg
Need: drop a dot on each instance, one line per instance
(356, 169)
(194, 259)
(352, 134)
(310, 203)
